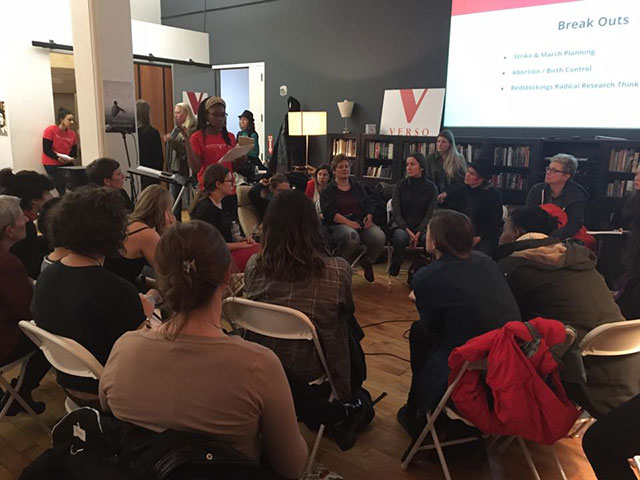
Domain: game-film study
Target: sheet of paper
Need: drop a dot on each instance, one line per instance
(237, 152)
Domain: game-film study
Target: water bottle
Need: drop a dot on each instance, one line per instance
(235, 232)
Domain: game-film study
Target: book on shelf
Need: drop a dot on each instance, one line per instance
(623, 160)
(510, 181)
(380, 150)
(379, 171)
(619, 188)
(470, 151)
(425, 148)
(510, 156)
(345, 146)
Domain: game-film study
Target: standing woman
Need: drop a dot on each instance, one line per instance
(248, 129)
(59, 146)
(178, 148)
(149, 143)
(218, 184)
(211, 140)
(413, 203)
(446, 167)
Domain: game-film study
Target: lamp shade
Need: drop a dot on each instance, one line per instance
(307, 123)
(346, 108)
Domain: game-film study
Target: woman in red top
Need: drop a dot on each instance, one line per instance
(211, 140)
(59, 146)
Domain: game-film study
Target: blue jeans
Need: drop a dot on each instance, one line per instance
(346, 241)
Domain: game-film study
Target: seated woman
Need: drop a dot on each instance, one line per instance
(149, 219)
(33, 190)
(461, 295)
(318, 183)
(263, 191)
(348, 213)
(558, 279)
(558, 189)
(78, 298)
(208, 207)
(413, 203)
(189, 375)
(15, 296)
(105, 172)
(482, 203)
(47, 226)
(446, 166)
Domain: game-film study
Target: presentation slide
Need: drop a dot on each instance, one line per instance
(544, 63)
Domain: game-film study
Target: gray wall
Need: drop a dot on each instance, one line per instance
(326, 51)
(194, 79)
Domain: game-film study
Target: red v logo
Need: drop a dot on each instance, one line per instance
(194, 101)
(409, 103)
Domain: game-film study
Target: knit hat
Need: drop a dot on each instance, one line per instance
(211, 101)
(483, 167)
(448, 134)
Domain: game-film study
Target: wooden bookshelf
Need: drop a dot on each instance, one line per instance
(349, 144)
(381, 157)
(514, 163)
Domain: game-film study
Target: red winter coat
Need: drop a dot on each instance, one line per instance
(523, 404)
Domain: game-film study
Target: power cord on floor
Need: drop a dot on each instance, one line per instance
(404, 335)
(385, 321)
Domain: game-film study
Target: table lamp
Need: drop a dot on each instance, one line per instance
(346, 108)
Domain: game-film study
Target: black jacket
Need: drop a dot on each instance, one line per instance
(483, 206)
(413, 202)
(328, 200)
(572, 200)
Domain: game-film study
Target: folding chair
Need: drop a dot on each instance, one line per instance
(64, 354)
(247, 215)
(608, 340)
(13, 391)
(279, 322)
(415, 447)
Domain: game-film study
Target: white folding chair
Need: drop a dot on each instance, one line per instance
(64, 354)
(13, 391)
(278, 322)
(432, 417)
(608, 340)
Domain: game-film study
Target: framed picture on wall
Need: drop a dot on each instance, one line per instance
(119, 106)
(3, 119)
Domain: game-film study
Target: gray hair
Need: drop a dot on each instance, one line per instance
(10, 211)
(569, 162)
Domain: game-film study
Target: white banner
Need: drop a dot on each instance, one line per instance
(415, 112)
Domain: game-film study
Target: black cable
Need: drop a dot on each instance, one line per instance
(385, 321)
(405, 334)
(389, 354)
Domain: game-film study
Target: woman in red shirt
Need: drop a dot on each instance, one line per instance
(211, 140)
(59, 146)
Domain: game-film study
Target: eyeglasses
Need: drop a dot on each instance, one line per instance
(553, 170)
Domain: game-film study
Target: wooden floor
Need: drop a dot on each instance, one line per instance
(379, 448)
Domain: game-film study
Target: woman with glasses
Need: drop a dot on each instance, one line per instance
(558, 189)
(209, 207)
(211, 140)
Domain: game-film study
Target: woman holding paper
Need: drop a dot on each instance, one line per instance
(211, 141)
(59, 146)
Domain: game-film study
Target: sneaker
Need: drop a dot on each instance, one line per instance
(344, 431)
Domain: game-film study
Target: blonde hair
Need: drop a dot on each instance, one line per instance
(190, 121)
(454, 163)
(150, 209)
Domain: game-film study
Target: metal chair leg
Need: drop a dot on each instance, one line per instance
(527, 455)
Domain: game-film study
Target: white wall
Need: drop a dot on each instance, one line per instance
(26, 74)
(146, 10)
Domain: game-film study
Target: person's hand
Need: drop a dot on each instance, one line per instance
(442, 197)
(148, 302)
(167, 137)
(354, 225)
(250, 240)
(245, 244)
(476, 241)
(185, 132)
(413, 238)
(368, 221)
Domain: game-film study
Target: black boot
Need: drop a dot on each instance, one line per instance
(344, 431)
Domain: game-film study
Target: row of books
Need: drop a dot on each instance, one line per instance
(345, 146)
(380, 150)
(512, 156)
(471, 151)
(619, 188)
(424, 148)
(510, 181)
(624, 160)
(379, 171)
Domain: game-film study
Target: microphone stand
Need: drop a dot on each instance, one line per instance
(131, 179)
